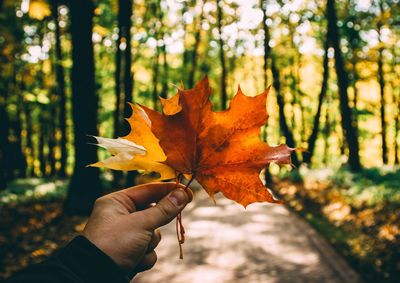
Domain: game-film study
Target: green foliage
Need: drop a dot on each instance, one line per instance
(294, 176)
(369, 187)
(32, 190)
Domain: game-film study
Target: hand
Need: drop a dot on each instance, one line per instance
(124, 224)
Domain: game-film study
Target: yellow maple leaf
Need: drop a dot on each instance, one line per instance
(139, 150)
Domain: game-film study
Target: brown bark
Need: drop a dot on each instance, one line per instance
(281, 104)
(85, 184)
(267, 48)
(348, 127)
(195, 53)
(396, 100)
(61, 93)
(222, 56)
(381, 80)
(42, 142)
(307, 155)
(327, 133)
(21, 164)
(155, 77)
(397, 133)
(4, 142)
(164, 80)
(128, 76)
(29, 146)
(117, 175)
(185, 57)
(266, 55)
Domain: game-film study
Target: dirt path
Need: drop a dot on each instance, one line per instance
(265, 243)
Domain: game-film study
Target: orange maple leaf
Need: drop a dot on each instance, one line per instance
(222, 150)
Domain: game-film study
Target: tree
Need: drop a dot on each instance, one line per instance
(221, 55)
(85, 185)
(126, 7)
(342, 77)
(266, 55)
(267, 48)
(195, 52)
(123, 55)
(381, 80)
(185, 55)
(307, 155)
(60, 91)
(126, 19)
(4, 143)
(277, 85)
(281, 105)
(396, 100)
(397, 133)
(20, 158)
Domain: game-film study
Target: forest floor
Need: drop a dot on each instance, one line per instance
(225, 243)
(358, 214)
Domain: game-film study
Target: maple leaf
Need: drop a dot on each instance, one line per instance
(222, 150)
(139, 150)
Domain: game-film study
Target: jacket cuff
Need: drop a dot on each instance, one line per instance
(90, 263)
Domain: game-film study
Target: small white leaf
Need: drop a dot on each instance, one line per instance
(126, 148)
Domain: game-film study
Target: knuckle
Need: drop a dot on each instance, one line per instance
(163, 211)
(153, 259)
(99, 201)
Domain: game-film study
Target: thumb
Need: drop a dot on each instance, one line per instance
(166, 209)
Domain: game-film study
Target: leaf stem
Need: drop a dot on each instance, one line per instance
(180, 230)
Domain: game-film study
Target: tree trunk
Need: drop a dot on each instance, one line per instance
(281, 104)
(396, 100)
(127, 6)
(383, 103)
(21, 164)
(85, 185)
(4, 143)
(155, 78)
(52, 125)
(396, 133)
(42, 138)
(307, 155)
(195, 53)
(60, 91)
(355, 90)
(128, 77)
(29, 134)
(267, 53)
(327, 133)
(163, 49)
(222, 56)
(118, 175)
(164, 89)
(342, 77)
(267, 48)
(185, 57)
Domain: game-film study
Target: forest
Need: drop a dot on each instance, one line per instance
(69, 68)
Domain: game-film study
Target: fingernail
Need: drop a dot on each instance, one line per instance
(178, 197)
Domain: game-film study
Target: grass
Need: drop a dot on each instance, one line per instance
(33, 189)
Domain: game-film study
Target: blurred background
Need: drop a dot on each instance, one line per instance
(68, 67)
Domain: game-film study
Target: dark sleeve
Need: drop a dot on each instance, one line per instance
(80, 261)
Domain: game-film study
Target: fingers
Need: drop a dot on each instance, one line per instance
(165, 210)
(149, 260)
(145, 194)
(155, 240)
